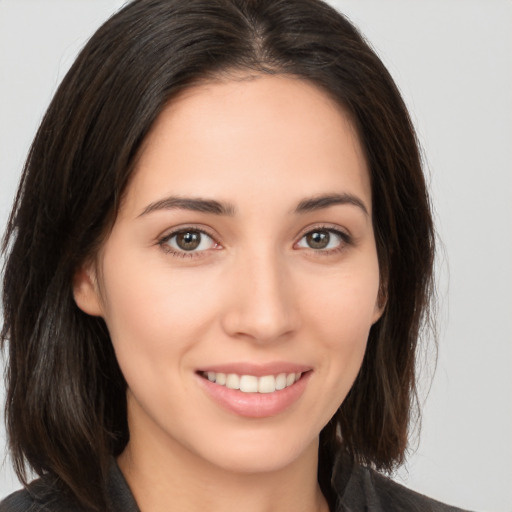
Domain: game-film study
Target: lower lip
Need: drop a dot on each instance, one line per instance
(255, 405)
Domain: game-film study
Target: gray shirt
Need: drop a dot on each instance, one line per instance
(357, 489)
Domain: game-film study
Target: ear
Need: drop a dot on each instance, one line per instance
(85, 291)
(380, 303)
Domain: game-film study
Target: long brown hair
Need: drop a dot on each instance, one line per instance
(66, 407)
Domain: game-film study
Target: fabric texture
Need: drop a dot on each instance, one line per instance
(357, 489)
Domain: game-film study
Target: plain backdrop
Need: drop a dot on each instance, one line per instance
(452, 59)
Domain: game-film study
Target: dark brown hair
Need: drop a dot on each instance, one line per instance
(66, 406)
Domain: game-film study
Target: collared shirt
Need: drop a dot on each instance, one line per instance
(357, 489)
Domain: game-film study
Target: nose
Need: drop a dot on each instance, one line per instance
(263, 305)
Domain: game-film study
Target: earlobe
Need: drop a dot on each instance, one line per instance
(85, 291)
(380, 304)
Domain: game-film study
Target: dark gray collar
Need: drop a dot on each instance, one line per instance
(121, 497)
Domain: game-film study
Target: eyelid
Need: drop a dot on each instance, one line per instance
(169, 234)
(324, 226)
(345, 236)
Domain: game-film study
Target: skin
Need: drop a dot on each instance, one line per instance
(254, 291)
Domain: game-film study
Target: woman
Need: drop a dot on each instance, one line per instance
(218, 264)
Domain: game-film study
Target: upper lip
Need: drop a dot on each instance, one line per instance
(258, 370)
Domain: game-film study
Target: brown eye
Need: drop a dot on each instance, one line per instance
(190, 240)
(323, 240)
(318, 239)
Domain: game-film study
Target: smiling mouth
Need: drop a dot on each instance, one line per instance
(252, 383)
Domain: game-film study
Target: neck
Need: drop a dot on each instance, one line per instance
(166, 476)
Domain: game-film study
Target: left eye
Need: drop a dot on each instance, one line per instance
(321, 239)
(190, 240)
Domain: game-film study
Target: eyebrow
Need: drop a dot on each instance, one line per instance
(327, 200)
(221, 208)
(192, 204)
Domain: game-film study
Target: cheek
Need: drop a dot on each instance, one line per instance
(345, 304)
(340, 314)
(149, 311)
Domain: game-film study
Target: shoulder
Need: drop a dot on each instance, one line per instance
(46, 495)
(19, 501)
(394, 496)
(38, 497)
(363, 489)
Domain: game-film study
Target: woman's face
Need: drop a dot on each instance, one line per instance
(243, 253)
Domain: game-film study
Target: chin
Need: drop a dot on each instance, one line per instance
(260, 455)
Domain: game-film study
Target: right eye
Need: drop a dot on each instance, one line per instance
(188, 241)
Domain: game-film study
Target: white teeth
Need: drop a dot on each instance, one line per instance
(281, 381)
(253, 384)
(267, 384)
(248, 383)
(232, 381)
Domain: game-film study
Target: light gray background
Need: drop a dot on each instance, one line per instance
(452, 60)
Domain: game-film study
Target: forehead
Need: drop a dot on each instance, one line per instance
(260, 135)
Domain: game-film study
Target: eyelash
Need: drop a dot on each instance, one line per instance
(164, 243)
(345, 240)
